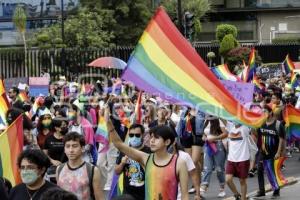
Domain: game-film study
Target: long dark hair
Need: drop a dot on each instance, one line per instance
(215, 128)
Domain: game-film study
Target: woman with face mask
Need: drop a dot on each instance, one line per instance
(44, 127)
(32, 164)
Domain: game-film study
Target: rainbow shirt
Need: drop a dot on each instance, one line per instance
(161, 182)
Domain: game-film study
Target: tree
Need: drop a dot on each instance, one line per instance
(86, 29)
(197, 7)
(131, 18)
(227, 44)
(19, 20)
(225, 29)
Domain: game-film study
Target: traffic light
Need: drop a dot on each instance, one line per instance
(188, 25)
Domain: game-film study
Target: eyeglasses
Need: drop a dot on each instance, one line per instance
(135, 135)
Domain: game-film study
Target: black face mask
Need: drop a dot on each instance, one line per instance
(64, 130)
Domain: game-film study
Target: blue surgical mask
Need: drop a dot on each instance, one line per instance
(135, 141)
(29, 176)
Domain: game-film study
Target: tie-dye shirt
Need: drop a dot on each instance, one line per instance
(161, 182)
(75, 181)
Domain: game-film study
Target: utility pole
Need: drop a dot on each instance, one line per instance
(179, 15)
(63, 62)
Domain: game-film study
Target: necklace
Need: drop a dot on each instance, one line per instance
(34, 194)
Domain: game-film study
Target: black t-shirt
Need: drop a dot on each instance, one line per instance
(21, 192)
(3, 191)
(268, 139)
(134, 176)
(55, 147)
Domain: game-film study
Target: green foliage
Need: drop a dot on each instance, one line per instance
(237, 55)
(227, 44)
(131, 18)
(86, 29)
(286, 40)
(225, 29)
(197, 7)
(19, 19)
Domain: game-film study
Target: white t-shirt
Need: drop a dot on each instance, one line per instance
(207, 128)
(189, 164)
(238, 145)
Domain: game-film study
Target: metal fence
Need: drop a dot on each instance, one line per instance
(12, 61)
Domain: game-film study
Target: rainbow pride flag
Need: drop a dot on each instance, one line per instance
(258, 86)
(165, 64)
(137, 118)
(101, 135)
(11, 143)
(274, 174)
(211, 148)
(288, 65)
(294, 82)
(4, 106)
(223, 73)
(292, 123)
(252, 65)
(117, 186)
(23, 97)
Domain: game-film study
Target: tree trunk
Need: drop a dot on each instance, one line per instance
(25, 57)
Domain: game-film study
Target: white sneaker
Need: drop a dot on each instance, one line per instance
(222, 194)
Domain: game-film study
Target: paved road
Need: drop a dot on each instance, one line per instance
(292, 169)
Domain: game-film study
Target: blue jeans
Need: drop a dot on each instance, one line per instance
(216, 162)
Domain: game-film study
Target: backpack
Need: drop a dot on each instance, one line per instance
(90, 172)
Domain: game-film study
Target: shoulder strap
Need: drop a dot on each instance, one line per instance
(60, 167)
(90, 172)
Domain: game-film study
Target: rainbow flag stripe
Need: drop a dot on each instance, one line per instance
(258, 86)
(2, 87)
(23, 97)
(223, 73)
(138, 110)
(165, 64)
(252, 65)
(101, 135)
(288, 65)
(294, 82)
(11, 142)
(292, 123)
(273, 170)
(4, 106)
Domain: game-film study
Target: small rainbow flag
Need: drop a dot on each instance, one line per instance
(4, 106)
(273, 170)
(117, 186)
(138, 110)
(101, 135)
(165, 64)
(288, 65)
(294, 82)
(258, 86)
(11, 143)
(292, 123)
(252, 65)
(223, 73)
(23, 97)
(211, 148)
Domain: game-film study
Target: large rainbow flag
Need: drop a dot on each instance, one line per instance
(165, 64)
(288, 65)
(223, 73)
(273, 170)
(292, 123)
(2, 88)
(11, 143)
(4, 106)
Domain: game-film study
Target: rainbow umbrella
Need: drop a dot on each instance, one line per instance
(108, 62)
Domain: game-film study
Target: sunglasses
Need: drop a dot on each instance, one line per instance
(135, 135)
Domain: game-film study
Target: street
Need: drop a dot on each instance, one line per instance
(291, 170)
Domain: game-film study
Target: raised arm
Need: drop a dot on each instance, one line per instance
(132, 153)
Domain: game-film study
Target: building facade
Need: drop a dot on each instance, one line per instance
(257, 20)
(40, 13)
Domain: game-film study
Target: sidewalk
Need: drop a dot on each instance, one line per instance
(290, 191)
